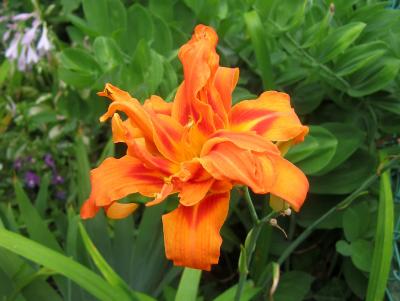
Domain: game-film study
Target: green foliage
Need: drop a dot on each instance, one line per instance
(339, 63)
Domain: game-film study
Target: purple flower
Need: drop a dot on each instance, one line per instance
(57, 179)
(17, 164)
(31, 56)
(31, 179)
(61, 195)
(44, 44)
(23, 16)
(12, 50)
(48, 160)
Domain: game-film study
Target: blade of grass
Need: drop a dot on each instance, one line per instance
(188, 285)
(108, 273)
(382, 255)
(41, 199)
(61, 264)
(35, 225)
(258, 39)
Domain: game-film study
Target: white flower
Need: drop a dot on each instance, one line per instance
(23, 16)
(31, 56)
(12, 50)
(30, 33)
(44, 44)
(22, 59)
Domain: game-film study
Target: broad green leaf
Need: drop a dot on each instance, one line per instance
(382, 254)
(249, 291)
(4, 69)
(105, 17)
(349, 138)
(107, 53)
(372, 78)
(78, 68)
(361, 254)
(293, 286)
(314, 157)
(343, 247)
(339, 40)
(162, 41)
(61, 264)
(346, 177)
(355, 279)
(359, 56)
(356, 220)
(35, 225)
(139, 27)
(307, 96)
(188, 285)
(257, 35)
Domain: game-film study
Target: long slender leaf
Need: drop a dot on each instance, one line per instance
(258, 39)
(382, 255)
(61, 264)
(189, 285)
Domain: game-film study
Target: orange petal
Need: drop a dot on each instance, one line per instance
(166, 190)
(193, 192)
(158, 105)
(291, 184)
(120, 210)
(225, 81)
(270, 115)
(243, 140)
(123, 131)
(116, 178)
(191, 234)
(226, 161)
(89, 209)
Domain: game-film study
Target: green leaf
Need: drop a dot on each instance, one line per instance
(249, 291)
(349, 139)
(78, 68)
(293, 286)
(258, 40)
(346, 177)
(61, 264)
(107, 53)
(105, 17)
(355, 279)
(43, 194)
(108, 273)
(361, 254)
(375, 77)
(4, 69)
(339, 40)
(36, 227)
(343, 247)
(188, 285)
(382, 254)
(162, 41)
(315, 152)
(359, 56)
(356, 220)
(139, 27)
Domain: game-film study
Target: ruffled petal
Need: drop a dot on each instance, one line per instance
(120, 210)
(225, 82)
(191, 193)
(270, 116)
(116, 178)
(158, 105)
(291, 184)
(226, 161)
(191, 233)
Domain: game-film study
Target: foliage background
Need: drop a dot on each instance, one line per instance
(338, 60)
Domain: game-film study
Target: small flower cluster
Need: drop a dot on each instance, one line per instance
(24, 44)
(25, 165)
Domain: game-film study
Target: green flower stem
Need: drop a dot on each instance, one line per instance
(251, 246)
(252, 210)
(343, 204)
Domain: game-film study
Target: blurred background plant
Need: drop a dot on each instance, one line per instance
(339, 60)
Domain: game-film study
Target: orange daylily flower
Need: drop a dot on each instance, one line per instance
(199, 146)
